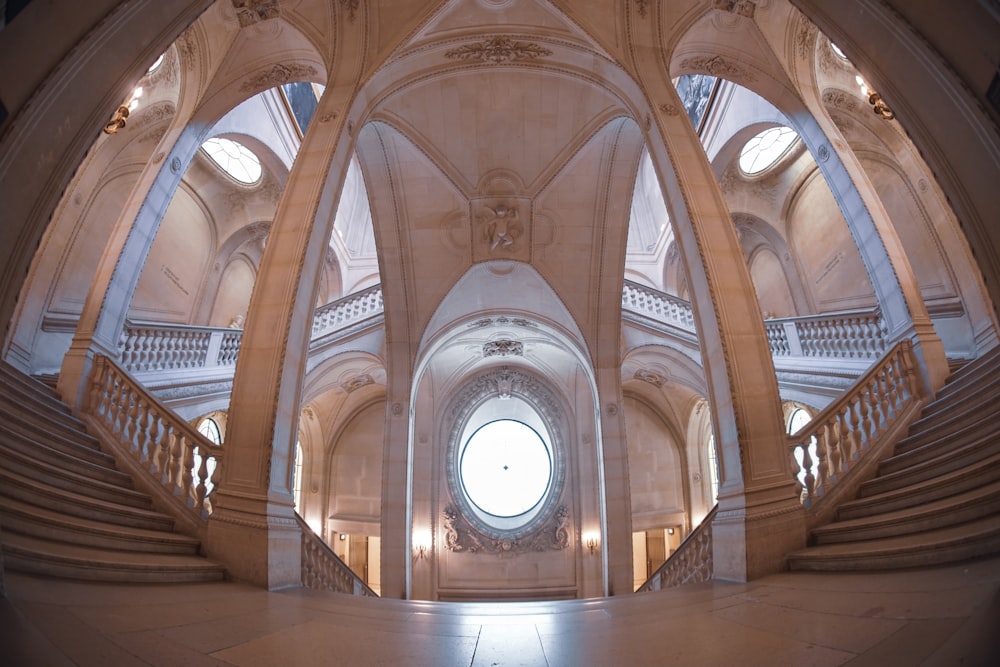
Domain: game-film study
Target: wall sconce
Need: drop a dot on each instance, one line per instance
(878, 106)
(117, 121)
(592, 540)
(670, 531)
(421, 545)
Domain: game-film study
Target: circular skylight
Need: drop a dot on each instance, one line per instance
(233, 158)
(766, 148)
(156, 63)
(836, 49)
(505, 468)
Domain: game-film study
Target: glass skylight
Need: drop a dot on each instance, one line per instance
(836, 49)
(766, 148)
(235, 159)
(505, 468)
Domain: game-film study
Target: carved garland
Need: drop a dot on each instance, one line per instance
(499, 49)
(461, 536)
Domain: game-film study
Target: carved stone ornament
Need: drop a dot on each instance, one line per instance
(502, 321)
(841, 100)
(278, 75)
(250, 12)
(352, 8)
(503, 348)
(718, 66)
(670, 109)
(745, 8)
(499, 49)
(462, 536)
(652, 378)
(357, 382)
(643, 7)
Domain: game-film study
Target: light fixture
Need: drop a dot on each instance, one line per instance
(878, 106)
(670, 531)
(117, 121)
(421, 544)
(592, 541)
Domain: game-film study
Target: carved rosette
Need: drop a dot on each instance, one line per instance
(499, 49)
(652, 378)
(462, 537)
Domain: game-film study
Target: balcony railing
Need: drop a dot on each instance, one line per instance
(854, 334)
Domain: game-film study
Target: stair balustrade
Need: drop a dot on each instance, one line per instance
(323, 570)
(182, 461)
(851, 334)
(658, 305)
(155, 346)
(349, 310)
(836, 441)
(690, 563)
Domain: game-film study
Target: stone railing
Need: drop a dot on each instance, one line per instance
(184, 464)
(854, 334)
(154, 346)
(690, 563)
(342, 312)
(838, 440)
(657, 305)
(323, 570)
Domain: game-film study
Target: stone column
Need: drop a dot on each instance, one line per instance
(760, 519)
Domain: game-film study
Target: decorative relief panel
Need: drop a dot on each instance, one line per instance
(462, 536)
(503, 348)
(720, 67)
(499, 49)
(250, 12)
(278, 75)
(501, 228)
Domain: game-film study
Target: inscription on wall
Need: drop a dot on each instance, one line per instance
(174, 278)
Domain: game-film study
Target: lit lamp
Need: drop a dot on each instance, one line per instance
(117, 121)
(874, 99)
(592, 540)
(421, 544)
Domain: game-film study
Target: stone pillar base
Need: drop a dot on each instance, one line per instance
(260, 549)
(748, 543)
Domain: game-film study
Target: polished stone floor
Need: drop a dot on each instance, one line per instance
(940, 616)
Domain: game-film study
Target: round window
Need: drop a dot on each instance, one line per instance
(505, 468)
(766, 148)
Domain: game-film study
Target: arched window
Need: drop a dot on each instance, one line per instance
(796, 421)
(209, 428)
(297, 479)
(713, 467)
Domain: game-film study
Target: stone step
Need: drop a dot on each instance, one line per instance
(984, 364)
(32, 396)
(973, 504)
(114, 487)
(104, 471)
(929, 490)
(74, 504)
(24, 553)
(968, 456)
(28, 426)
(10, 375)
(933, 547)
(982, 437)
(967, 415)
(27, 519)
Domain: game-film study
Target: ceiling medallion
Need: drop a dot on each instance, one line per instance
(499, 49)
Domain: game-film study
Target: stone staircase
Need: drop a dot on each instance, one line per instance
(937, 498)
(67, 511)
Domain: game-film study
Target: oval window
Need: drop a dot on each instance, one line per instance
(234, 158)
(766, 148)
(505, 468)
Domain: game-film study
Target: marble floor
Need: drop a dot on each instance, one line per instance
(940, 616)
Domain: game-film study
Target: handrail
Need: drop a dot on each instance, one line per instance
(323, 569)
(185, 465)
(690, 563)
(835, 442)
(658, 305)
